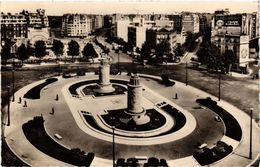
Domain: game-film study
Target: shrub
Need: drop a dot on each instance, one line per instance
(51, 80)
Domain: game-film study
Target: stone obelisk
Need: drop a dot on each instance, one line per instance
(104, 85)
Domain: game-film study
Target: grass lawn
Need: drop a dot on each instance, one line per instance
(34, 93)
(233, 130)
(36, 134)
(156, 120)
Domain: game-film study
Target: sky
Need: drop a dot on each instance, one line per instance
(58, 7)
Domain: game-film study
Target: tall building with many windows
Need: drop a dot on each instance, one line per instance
(190, 22)
(177, 22)
(121, 29)
(12, 27)
(253, 23)
(80, 25)
(205, 22)
(76, 25)
(234, 32)
(25, 25)
(137, 35)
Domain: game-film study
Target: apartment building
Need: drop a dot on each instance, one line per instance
(76, 25)
(233, 32)
(177, 22)
(190, 22)
(121, 29)
(137, 35)
(25, 25)
(155, 35)
(12, 27)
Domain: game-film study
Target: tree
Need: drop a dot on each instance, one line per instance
(178, 52)
(229, 59)
(209, 55)
(190, 42)
(73, 48)
(57, 48)
(40, 49)
(30, 49)
(207, 35)
(22, 52)
(202, 52)
(214, 59)
(163, 48)
(89, 51)
(146, 51)
(106, 50)
(128, 47)
(6, 50)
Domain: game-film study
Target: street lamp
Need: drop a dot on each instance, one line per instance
(118, 59)
(8, 106)
(113, 132)
(219, 79)
(13, 84)
(186, 73)
(250, 144)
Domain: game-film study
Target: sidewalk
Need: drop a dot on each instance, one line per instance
(15, 137)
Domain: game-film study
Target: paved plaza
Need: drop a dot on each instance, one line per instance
(177, 148)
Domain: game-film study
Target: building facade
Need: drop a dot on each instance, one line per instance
(232, 32)
(253, 23)
(177, 22)
(13, 27)
(76, 25)
(25, 25)
(190, 22)
(121, 29)
(80, 25)
(156, 35)
(205, 22)
(136, 36)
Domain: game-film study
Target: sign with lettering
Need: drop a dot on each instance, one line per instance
(229, 20)
(232, 23)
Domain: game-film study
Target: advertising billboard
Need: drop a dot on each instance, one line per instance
(244, 50)
(228, 20)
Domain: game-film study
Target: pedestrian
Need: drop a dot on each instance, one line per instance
(25, 103)
(20, 100)
(176, 96)
(52, 111)
(57, 97)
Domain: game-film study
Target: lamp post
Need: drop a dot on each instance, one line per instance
(219, 83)
(118, 59)
(186, 73)
(113, 132)
(13, 84)
(250, 144)
(8, 106)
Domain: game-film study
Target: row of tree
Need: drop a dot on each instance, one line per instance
(24, 51)
(161, 51)
(105, 49)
